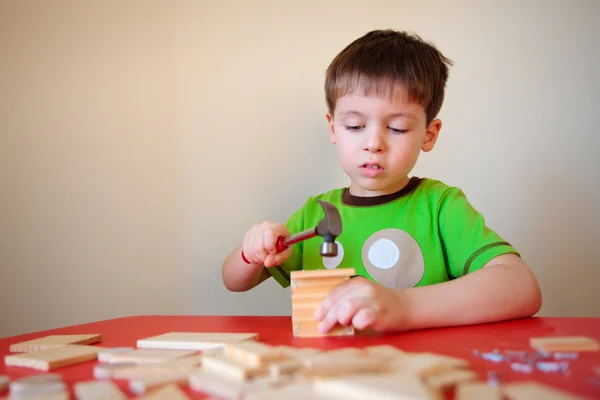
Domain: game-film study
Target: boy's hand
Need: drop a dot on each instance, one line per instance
(260, 244)
(363, 304)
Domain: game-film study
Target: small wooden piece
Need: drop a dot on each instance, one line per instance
(401, 386)
(323, 273)
(53, 341)
(343, 365)
(447, 379)
(233, 369)
(564, 343)
(311, 329)
(193, 340)
(107, 371)
(385, 350)
(427, 364)
(254, 353)
(98, 390)
(150, 356)
(533, 390)
(214, 384)
(4, 381)
(167, 392)
(144, 385)
(185, 364)
(46, 360)
(477, 391)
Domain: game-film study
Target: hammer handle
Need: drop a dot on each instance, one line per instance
(283, 242)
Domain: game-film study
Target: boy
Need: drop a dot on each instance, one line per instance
(423, 255)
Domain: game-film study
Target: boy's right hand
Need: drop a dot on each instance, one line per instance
(260, 244)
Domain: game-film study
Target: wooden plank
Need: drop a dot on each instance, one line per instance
(527, 390)
(376, 387)
(53, 358)
(314, 293)
(322, 273)
(427, 364)
(167, 392)
(193, 340)
(477, 391)
(311, 329)
(233, 369)
(312, 282)
(150, 356)
(385, 350)
(333, 366)
(98, 390)
(254, 353)
(448, 379)
(564, 343)
(185, 364)
(53, 341)
(215, 384)
(144, 385)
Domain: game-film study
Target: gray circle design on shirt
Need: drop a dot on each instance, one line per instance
(393, 258)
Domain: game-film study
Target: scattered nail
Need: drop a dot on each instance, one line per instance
(520, 367)
(565, 356)
(494, 357)
(552, 366)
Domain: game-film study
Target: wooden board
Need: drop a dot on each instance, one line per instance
(533, 390)
(98, 390)
(193, 340)
(448, 379)
(150, 356)
(46, 360)
(400, 386)
(427, 364)
(233, 369)
(335, 366)
(185, 364)
(254, 353)
(144, 385)
(53, 341)
(214, 384)
(312, 282)
(564, 343)
(477, 391)
(386, 351)
(167, 392)
(311, 329)
(322, 273)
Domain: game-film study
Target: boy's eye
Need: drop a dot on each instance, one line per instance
(353, 127)
(395, 130)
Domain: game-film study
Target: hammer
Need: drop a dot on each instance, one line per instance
(328, 228)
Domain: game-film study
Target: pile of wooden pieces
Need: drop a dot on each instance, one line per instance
(309, 289)
(239, 366)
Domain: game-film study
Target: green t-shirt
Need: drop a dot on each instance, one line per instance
(424, 234)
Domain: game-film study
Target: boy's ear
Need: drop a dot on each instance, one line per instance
(431, 136)
(331, 128)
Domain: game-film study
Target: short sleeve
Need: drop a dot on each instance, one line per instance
(281, 273)
(467, 242)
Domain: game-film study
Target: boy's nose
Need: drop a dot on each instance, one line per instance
(375, 142)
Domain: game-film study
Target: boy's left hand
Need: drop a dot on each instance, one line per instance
(363, 304)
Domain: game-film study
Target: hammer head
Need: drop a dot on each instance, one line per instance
(329, 228)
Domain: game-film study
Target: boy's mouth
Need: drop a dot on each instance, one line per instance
(371, 166)
(371, 170)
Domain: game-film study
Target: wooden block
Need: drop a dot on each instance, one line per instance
(4, 381)
(46, 360)
(477, 391)
(150, 356)
(53, 341)
(307, 283)
(254, 353)
(343, 365)
(322, 273)
(314, 293)
(185, 364)
(303, 313)
(143, 385)
(448, 379)
(427, 364)
(194, 340)
(296, 352)
(533, 390)
(564, 343)
(311, 329)
(98, 390)
(213, 384)
(376, 387)
(167, 392)
(385, 350)
(232, 369)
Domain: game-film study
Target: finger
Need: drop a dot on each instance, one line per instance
(277, 259)
(364, 318)
(334, 297)
(344, 311)
(257, 250)
(270, 241)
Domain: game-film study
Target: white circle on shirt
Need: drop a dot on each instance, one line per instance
(333, 262)
(384, 254)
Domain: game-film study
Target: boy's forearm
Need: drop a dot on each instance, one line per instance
(496, 292)
(239, 276)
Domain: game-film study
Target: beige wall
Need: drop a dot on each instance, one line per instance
(139, 140)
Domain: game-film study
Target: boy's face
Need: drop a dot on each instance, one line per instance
(379, 140)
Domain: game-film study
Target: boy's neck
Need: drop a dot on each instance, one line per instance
(365, 201)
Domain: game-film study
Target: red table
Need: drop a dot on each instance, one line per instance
(458, 342)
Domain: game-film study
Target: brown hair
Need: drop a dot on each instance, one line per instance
(382, 60)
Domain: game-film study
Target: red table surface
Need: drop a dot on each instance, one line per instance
(456, 341)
